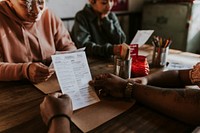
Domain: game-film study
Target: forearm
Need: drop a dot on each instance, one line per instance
(184, 76)
(182, 104)
(167, 79)
(13, 71)
(94, 49)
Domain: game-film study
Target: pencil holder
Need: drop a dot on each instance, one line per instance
(159, 58)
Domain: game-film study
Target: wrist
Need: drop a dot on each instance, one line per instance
(116, 50)
(128, 92)
(58, 117)
(58, 120)
(27, 71)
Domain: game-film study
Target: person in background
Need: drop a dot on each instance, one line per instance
(29, 34)
(98, 29)
(162, 91)
(56, 111)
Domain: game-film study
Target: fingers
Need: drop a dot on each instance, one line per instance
(55, 103)
(41, 69)
(140, 80)
(122, 50)
(51, 70)
(104, 15)
(98, 83)
(125, 51)
(137, 80)
(38, 79)
(64, 96)
(98, 80)
(59, 95)
(56, 94)
(38, 72)
(102, 92)
(103, 76)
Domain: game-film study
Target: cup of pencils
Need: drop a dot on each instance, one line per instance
(160, 52)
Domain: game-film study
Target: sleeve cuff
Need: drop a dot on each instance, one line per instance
(24, 70)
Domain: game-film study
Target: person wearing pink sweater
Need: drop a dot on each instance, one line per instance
(29, 34)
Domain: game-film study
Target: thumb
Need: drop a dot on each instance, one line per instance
(96, 83)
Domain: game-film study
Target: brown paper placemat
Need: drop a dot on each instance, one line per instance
(49, 86)
(90, 117)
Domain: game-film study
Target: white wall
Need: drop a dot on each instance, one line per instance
(193, 39)
(68, 8)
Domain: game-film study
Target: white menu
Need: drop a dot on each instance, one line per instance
(141, 37)
(73, 75)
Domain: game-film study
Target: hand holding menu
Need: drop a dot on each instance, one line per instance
(73, 75)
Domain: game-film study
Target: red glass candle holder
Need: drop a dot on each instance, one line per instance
(140, 66)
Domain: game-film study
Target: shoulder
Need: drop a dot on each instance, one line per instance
(81, 13)
(48, 15)
(86, 12)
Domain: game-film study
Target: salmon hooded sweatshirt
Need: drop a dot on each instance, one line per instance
(24, 42)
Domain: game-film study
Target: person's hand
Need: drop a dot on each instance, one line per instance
(38, 72)
(140, 80)
(103, 15)
(122, 50)
(110, 84)
(55, 103)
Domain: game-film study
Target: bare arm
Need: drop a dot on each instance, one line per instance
(60, 125)
(182, 104)
(54, 109)
(169, 79)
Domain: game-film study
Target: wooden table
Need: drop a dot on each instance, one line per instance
(19, 111)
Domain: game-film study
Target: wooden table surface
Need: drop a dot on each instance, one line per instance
(19, 111)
